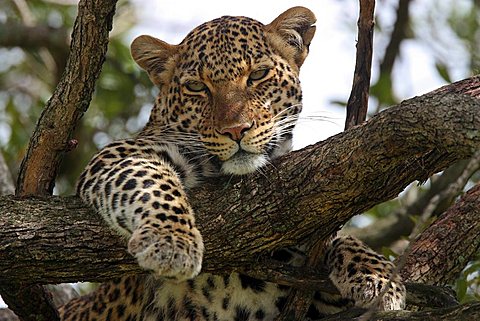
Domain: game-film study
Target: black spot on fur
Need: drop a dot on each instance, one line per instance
(145, 198)
(241, 313)
(96, 167)
(260, 314)
(165, 187)
(109, 314)
(189, 307)
(313, 313)
(205, 313)
(178, 210)
(351, 270)
(140, 173)
(225, 303)
(122, 177)
(121, 310)
(162, 217)
(148, 183)
(130, 184)
(206, 294)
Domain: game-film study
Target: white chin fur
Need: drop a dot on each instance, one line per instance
(244, 164)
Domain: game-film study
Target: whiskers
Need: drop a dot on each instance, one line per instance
(261, 170)
(284, 123)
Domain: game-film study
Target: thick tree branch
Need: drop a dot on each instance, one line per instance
(309, 193)
(33, 38)
(61, 293)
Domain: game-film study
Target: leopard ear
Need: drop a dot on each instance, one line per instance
(291, 33)
(153, 55)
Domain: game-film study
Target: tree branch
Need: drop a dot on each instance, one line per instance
(70, 99)
(399, 34)
(383, 87)
(389, 229)
(469, 311)
(436, 257)
(357, 104)
(308, 194)
(34, 37)
(37, 39)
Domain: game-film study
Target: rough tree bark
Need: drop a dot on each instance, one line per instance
(436, 257)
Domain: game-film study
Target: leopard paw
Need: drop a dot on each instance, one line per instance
(172, 254)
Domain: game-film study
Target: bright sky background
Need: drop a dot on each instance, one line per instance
(328, 71)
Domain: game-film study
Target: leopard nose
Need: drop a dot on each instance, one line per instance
(236, 132)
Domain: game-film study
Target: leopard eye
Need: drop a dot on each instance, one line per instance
(195, 86)
(258, 75)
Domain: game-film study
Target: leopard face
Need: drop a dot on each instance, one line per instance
(232, 85)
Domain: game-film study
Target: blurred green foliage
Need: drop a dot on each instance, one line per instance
(468, 284)
(120, 105)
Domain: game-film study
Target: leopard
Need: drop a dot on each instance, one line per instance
(229, 97)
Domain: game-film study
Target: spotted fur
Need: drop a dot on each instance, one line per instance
(229, 97)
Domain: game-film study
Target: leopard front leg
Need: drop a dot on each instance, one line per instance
(170, 249)
(140, 194)
(361, 275)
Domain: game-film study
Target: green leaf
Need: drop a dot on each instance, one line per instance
(442, 70)
(388, 252)
(461, 288)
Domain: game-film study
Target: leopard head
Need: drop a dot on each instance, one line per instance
(233, 83)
